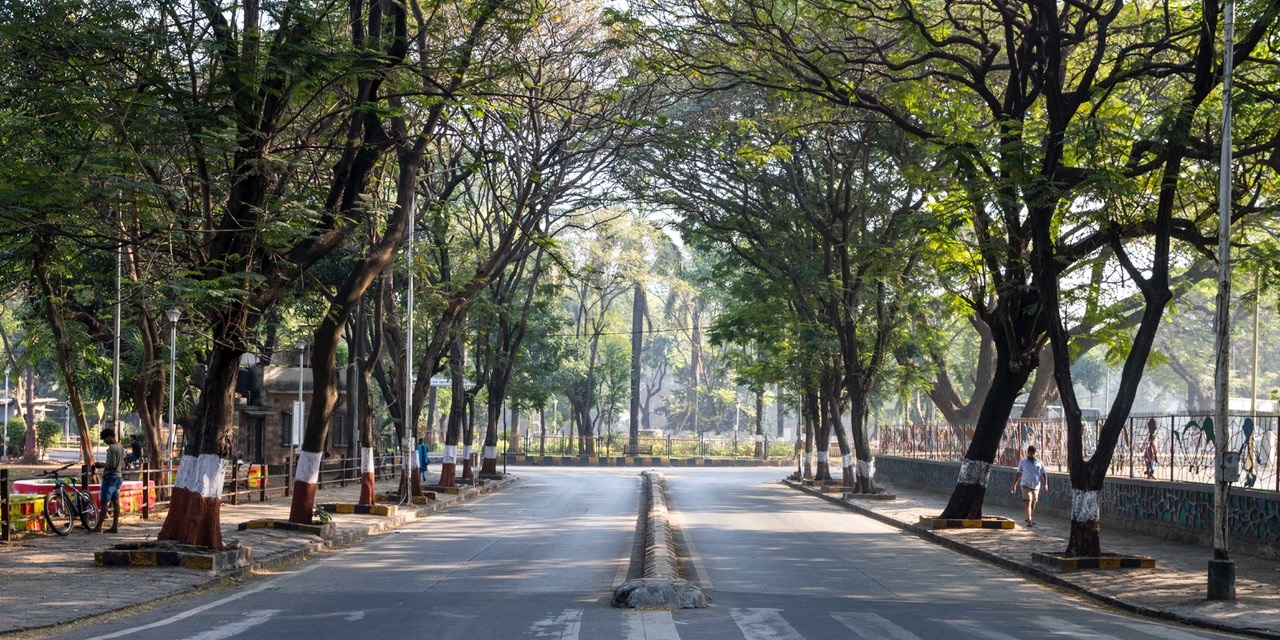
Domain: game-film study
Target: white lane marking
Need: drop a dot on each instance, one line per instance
(564, 626)
(977, 629)
(1059, 625)
(1160, 631)
(649, 625)
(236, 628)
(359, 615)
(764, 624)
(873, 627)
(205, 607)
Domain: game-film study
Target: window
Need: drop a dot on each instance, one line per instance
(286, 428)
(338, 429)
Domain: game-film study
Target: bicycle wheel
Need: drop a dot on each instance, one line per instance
(90, 514)
(58, 512)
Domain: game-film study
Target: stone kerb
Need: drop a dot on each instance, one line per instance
(1173, 511)
(661, 585)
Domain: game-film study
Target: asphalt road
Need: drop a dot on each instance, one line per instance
(540, 560)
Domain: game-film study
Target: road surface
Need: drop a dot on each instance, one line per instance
(540, 560)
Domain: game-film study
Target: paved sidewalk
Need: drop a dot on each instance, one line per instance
(1174, 590)
(50, 580)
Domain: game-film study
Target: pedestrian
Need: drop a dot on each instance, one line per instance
(135, 451)
(109, 494)
(1030, 476)
(1149, 456)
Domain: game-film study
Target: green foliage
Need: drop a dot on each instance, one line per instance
(49, 433)
(17, 431)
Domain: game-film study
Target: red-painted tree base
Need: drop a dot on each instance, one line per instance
(367, 493)
(193, 520)
(847, 480)
(466, 470)
(489, 467)
(304, 502)
(448, 474)
(415, 485)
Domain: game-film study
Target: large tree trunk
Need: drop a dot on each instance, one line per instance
(362, 275)
(809, 416)
(637, 343)
(31, 441)
(194, 508)
(468, 440)
(866, 469)
(62, 348)
(971, 486)
(457, 413)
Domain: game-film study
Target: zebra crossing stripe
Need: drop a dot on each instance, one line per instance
(873, 627)
(562, 627)
(764, 624)
(1059, 625)
(1160, 631)
(649, 625)
(977, 629)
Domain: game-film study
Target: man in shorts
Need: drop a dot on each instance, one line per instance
(1031, 475)
(111, 478)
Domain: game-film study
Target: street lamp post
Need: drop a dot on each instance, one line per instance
(299, 425)
(1222, 573)
(174, 315)
(5, 452)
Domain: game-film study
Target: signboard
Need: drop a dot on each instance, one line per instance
(297, 424)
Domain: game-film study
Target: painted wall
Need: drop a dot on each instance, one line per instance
(1172, 511)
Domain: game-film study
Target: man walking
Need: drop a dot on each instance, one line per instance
(1030, 475)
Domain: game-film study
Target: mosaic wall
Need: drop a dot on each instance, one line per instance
(1174, 511)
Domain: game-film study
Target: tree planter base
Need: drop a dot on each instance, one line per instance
(869, 496)
(986, 522)
(1060, 562)
(324, 531)
(173, 554)
(362, 509)
(453, 491)
(492, 476)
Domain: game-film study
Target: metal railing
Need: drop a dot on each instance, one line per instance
(616, 445)
(1176, 448)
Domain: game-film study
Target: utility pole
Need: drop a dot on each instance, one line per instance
(1222, 571)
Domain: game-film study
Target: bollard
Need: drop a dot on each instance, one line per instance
(262, 483)
(145, 475)
(235, 484)
(5, 527)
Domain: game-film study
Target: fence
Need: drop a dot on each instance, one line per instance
(1177, 448)
(616, 445)
(242, 483)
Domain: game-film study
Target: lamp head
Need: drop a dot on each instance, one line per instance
(174, 314)
(301, 344)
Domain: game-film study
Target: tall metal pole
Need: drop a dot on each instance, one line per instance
(1222, 577)
(5, 452)
(115, 365)
(300, 420)
(409, 422)
(174, 315)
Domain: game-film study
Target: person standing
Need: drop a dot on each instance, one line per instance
(1031, 475)
(111, 478)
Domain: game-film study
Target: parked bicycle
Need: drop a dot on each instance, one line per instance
(66, 503)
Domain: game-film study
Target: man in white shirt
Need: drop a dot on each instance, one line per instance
(1030, 475)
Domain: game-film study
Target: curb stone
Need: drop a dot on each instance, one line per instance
(660, 585)
(1035, 572)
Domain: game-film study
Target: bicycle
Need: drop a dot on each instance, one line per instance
(65, 503)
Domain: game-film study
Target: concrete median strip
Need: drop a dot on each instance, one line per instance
(661, 586)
